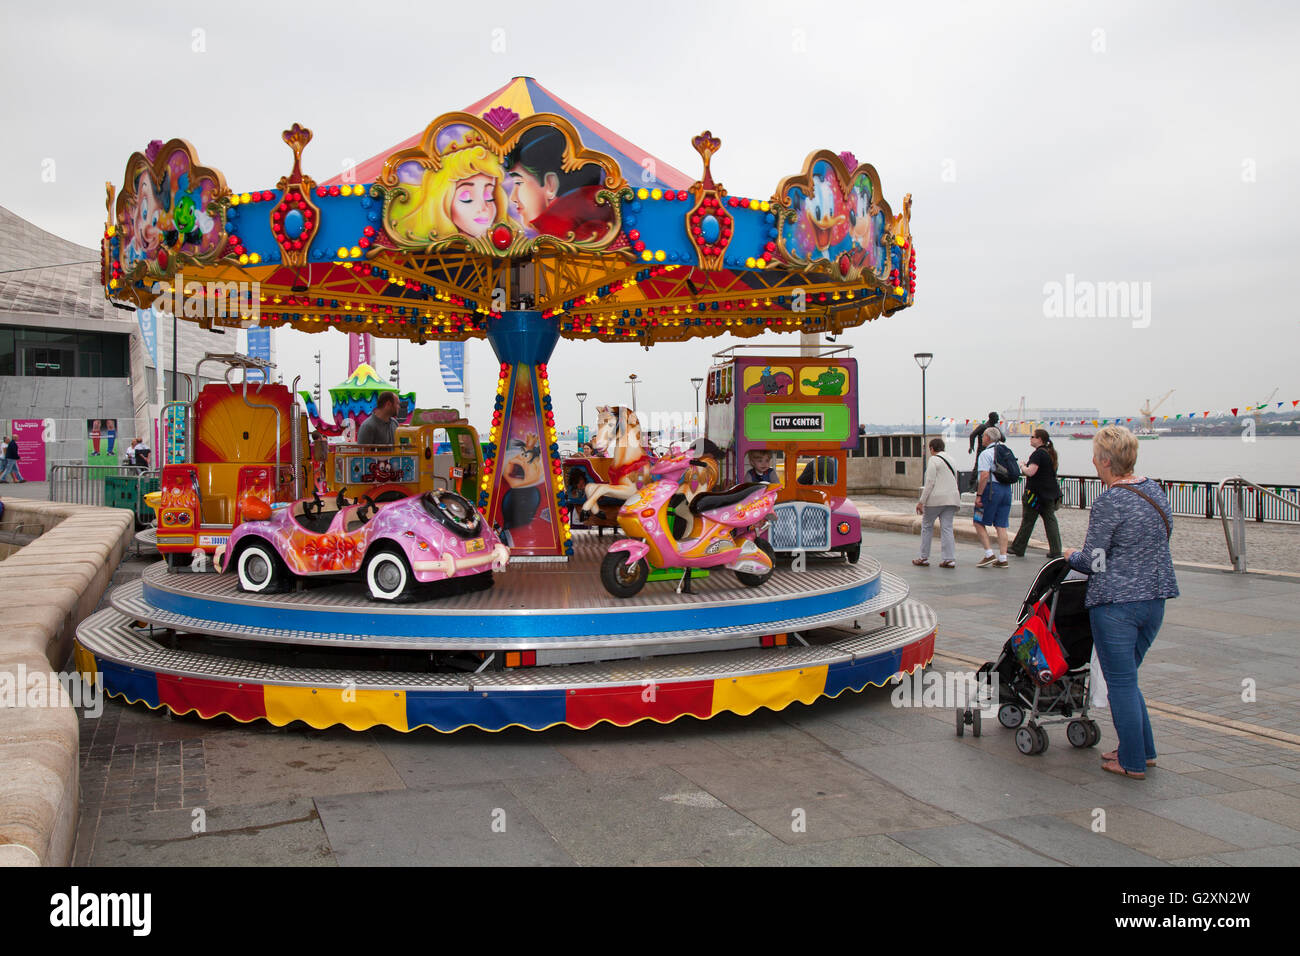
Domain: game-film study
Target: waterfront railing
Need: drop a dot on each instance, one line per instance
(1196, 499)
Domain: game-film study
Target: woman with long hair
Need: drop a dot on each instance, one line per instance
(1042, 496)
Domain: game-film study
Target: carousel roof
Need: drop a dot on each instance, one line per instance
(525, 97)
(520, 202)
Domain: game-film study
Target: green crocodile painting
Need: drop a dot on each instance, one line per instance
(829, 382)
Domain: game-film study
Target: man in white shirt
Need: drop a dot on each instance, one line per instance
(992, 502)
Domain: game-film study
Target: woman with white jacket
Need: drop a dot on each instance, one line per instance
(939, 499)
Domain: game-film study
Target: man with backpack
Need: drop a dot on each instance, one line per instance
(998, 471)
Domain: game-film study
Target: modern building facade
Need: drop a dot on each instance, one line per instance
(69, 358)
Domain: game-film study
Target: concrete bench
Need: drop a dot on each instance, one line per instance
(46, 589)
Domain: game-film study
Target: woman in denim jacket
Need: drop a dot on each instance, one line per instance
(1131, 574)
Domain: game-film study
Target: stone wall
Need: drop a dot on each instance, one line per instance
(46, 590)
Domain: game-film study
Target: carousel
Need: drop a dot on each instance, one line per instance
(522, 221)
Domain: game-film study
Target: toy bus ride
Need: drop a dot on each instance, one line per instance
(790, 419)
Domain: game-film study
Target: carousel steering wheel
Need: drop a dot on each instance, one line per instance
(452, 511)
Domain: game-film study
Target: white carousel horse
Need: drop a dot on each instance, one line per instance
(618, 436)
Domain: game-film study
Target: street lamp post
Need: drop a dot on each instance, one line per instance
(697, 382)
(923, 359)
(582, 430)
(634, 382)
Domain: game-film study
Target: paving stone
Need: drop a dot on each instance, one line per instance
(623, 819)
(1151, 834)
(1222, 781)
(607, 750)
(259, 767)
(829, 798)
(278, 833)
(1239, 828)
(1288, 856)
(1065, 842)
(447, 826)
(969, 845)
(1269, 804)
(876, 850)
(469, 757)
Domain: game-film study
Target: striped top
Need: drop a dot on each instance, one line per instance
(1126, 553)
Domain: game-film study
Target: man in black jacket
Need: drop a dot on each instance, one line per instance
(979, 430)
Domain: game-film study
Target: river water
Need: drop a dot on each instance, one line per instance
(1266, 460)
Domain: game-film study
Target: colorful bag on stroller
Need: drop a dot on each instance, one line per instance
(1037, 646)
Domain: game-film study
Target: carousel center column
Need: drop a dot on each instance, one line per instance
(522, 474)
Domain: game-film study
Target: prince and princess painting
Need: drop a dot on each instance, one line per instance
(467, 188)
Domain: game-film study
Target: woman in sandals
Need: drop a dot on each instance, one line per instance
(939, 499)
(1130, 575)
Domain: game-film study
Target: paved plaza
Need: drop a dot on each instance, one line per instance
(854, 780)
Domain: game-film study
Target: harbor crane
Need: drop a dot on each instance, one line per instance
(1148, 411)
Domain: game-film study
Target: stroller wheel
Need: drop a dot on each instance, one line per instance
(1043, 739)
(1078, 733)
(961, 723)
(976, 724)
(1010, 716)
(1026, 741)
(1094, 733)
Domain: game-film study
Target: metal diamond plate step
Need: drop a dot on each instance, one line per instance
(130, 601)
(112, 636)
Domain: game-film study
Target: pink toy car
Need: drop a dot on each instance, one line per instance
(436, 536)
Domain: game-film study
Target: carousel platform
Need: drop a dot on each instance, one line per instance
(545, 645)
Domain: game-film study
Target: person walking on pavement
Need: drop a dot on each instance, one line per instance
(939, 499)
(992, 501)
(10, 467)
(1042, 496)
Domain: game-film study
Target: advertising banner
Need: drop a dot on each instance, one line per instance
(259, 347)
(451, 358)
(30, 435)
(148, 319)
(101, 442)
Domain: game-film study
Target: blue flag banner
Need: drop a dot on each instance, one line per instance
(148, 320)
(451, 358)
(259, 347)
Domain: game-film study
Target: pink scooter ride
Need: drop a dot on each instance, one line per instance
(720, 529)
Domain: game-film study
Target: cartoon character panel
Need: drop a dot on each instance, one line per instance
(522, 510)
(469, 180)
(836, 216)
(167, 209)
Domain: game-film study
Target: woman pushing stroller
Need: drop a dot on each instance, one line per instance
(1130, 576)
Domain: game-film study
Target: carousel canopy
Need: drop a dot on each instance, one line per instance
(520, 202)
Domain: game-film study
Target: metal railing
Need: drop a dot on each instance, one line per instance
(84, 484)
(1197, 499)
(1236, 534)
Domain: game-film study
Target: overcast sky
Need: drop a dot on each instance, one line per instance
(1150, 143)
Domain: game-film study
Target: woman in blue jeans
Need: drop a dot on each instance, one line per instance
(1130, 575)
